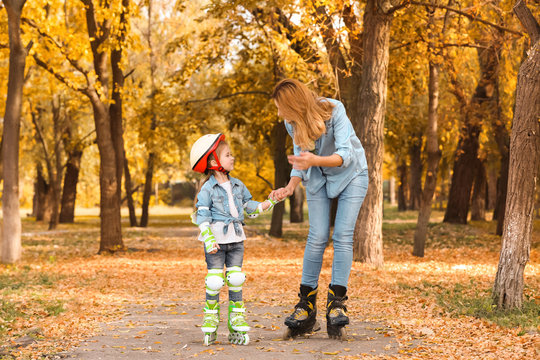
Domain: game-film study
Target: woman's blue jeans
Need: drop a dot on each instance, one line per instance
(349, 203)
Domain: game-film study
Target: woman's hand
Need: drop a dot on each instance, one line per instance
(281, 193)
(303, 161)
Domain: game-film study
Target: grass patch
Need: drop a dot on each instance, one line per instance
(52, 307)
(8, 313)
(468, 301)
(19, 280)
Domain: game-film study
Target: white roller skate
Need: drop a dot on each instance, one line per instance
(238, 327)
(210, 322)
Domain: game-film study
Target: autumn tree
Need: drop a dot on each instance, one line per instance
(523, 172)
(11, 225)
(105, 27)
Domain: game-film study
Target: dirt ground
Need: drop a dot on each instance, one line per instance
(172, 331)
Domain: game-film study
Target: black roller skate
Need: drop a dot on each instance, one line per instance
(303, 320)
(336, 312)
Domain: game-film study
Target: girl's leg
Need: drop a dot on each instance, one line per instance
(238, 327)
(319, 229)
(214, 279)
(235, 276)
(349, 202)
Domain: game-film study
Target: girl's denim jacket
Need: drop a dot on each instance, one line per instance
(340, 139)
(213, 204)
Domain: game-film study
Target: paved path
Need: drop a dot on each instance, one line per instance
(172, 331)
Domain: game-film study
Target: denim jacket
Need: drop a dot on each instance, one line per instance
(213, 204)
(340, 139)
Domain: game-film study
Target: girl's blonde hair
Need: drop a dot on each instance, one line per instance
(304, 109)
(209, 172)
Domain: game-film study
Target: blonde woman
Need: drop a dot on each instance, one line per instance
(330, 161)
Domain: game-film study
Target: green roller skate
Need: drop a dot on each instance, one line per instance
(238, 327)
(210, 322)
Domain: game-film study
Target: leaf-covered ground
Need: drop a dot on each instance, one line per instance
(437, 306)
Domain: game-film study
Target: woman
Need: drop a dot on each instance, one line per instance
(330, 161)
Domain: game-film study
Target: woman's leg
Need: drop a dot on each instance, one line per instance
(319, 230)
(349, 202)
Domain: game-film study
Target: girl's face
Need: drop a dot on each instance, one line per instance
(226, 159)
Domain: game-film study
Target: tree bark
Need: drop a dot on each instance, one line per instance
(41, 189)
(281, 175)
(296, 202)
(370, 128)
(415, 184)
(69, 190)
(432, 149)
(147, 192)
(523, 174)
(10, 250)
(402, 189)
(129, 194)
(478, 201)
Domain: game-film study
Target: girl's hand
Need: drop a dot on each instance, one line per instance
(303, 161)
(215, 248)
(280, 194)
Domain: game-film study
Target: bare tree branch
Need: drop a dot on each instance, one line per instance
(59, 45)
(221, 97)
(527, 20)
(62, 79)
(266, 181)
(469, 16)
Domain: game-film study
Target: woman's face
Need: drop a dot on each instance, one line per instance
(279, 111)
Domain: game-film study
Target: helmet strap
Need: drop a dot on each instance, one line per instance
(218, 167)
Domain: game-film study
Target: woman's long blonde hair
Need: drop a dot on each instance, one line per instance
(304, 109)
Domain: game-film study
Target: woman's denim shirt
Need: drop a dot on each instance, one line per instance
(340, 139)
(213, 203)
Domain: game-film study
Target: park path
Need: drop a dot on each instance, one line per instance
(171, 330)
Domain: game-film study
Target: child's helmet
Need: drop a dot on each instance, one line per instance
(201, 149)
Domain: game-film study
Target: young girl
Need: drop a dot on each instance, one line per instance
(219, 215)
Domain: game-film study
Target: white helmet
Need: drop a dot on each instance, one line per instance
(201, 149)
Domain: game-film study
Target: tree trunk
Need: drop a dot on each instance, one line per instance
(69, 191)
(10, 250)
(492, 190)
(129, 194)
(370, 128)
(55, 172)
(433, 153)
(111, 230)
(147, 192)
(502, 188)
(281, 175)
(402, 190)
(478, 201)
(415, 185)
(523, 174)
(392, 190)
(147, 189)
(41, 188)
(296, 202)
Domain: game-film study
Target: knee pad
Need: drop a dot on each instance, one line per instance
(214, 281)
(235, 278)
